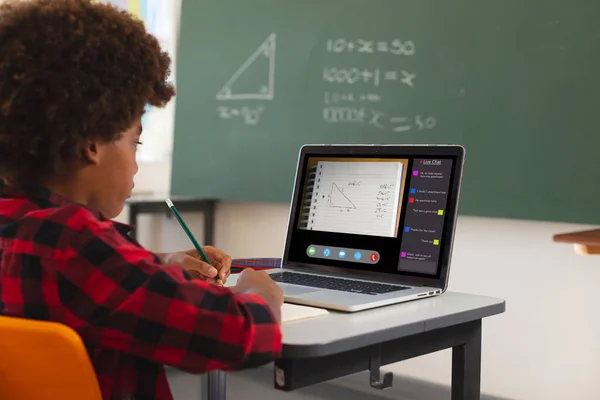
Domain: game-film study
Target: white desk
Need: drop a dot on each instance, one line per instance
(331, 346)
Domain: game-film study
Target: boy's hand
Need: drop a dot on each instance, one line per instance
(261, 284)
(192, 262)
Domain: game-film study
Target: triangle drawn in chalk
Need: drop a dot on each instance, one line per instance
(255, 79)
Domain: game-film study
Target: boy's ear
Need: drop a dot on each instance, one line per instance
(91, 153)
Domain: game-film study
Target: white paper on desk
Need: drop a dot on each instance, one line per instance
(289, 312)
(293, 312)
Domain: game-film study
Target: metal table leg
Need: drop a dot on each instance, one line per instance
(133, 219)
(209, 224)
(214, 386)
(466, 367)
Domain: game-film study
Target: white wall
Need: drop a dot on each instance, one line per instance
(546, 345)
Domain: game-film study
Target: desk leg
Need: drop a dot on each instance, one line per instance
(214, 386)
(466, 366)
(209, 224)
(133, 220)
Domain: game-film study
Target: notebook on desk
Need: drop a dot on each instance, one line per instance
(370, 225)
(294, 312)
(289, 312)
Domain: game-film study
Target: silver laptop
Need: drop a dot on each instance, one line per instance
(370, 225)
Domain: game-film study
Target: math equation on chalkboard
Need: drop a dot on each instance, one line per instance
(354, 91)
(353, 96)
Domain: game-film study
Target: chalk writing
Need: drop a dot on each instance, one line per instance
(403, 76)
(379, 119)
(354, 75)
(375, 118)
(370, 97)
(350, 75)
(354, 106)
(344, 115)
(250, 115)
(425, 122)
(366, 46)
(348, 97)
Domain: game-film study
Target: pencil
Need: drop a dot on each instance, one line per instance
(189, 234)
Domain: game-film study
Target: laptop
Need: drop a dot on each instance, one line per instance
(370, 225)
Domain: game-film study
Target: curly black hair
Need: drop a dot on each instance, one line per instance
(71, 72)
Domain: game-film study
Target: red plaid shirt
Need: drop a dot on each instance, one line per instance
(63, 262)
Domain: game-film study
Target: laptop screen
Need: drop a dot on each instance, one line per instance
(380, 212)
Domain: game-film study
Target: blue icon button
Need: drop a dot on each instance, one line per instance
(326, 252)
(342, 253)
(357, 255)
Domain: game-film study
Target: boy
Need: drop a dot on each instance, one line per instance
(75, 77)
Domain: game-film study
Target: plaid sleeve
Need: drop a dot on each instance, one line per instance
(117, 296)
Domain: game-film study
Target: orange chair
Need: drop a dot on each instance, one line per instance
(44, 360)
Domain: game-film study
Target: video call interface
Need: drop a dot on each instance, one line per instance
(377, 214)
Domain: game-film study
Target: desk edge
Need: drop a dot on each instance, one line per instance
(325, 349)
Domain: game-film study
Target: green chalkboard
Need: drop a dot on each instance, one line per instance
(517, 82)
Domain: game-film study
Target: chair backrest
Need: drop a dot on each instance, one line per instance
(44, 360)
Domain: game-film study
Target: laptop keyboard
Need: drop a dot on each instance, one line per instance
(343, 285)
